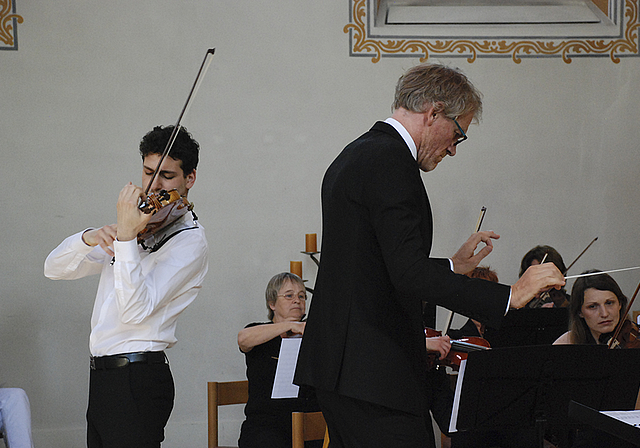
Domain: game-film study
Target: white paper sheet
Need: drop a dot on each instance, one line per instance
(630, 417)
(283, 386)
(456, 399)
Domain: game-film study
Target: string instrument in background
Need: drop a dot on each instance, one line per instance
(167, 206)
(626, 332)
(460, 349)
(546, 297)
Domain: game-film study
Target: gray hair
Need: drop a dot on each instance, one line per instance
(274, 285)
(446, 89)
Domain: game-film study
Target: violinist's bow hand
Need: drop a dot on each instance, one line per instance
(440, 344)
(131, 220)
(103, 237)
(466, 259)
(536, 278)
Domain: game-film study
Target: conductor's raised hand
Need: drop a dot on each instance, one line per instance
(131, 220)
(103, 237)
(466, 259)
(536, 278)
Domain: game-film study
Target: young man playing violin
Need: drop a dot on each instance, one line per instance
(146, 281)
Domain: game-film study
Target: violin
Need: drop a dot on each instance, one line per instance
(626, 332)
(168, 206)
(460, 349)
(628, 336)
(554, 295)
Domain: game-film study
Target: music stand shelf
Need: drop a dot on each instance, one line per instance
(517, 388)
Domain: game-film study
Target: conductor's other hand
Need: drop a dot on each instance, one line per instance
(536, 278)
(466, 259)
(131, 220)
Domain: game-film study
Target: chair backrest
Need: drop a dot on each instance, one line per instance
(306, 426)
(222, 394)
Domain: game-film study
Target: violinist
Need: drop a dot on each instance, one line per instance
(143, 289)
(556, 298)
(597, 306)
(268, 420)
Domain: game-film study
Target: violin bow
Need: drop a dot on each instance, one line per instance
(545, 295)
(174, 134)
(449, 320)
(578, 257)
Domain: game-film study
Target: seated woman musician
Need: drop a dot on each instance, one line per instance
(597, 306)
(268, 421)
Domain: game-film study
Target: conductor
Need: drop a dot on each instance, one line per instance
(364, 344)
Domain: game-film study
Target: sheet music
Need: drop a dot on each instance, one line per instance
(456, 399)
(629, 417)
(283, 386)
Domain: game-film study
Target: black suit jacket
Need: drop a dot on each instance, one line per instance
(364, 336)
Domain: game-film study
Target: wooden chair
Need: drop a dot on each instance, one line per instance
(222, 394)
(306, 426)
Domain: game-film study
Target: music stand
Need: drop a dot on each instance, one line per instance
(529, 388)
(529, 326)
(610, 425)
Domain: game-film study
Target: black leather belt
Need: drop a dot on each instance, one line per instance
(124, 359)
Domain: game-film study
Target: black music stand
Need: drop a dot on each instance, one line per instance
(603, 422)
(529, 326)
(526, 390)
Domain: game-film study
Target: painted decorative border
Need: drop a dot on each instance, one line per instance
(363, 45)
(8, 25)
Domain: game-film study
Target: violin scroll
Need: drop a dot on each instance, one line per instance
(156, 201)
(166, 207)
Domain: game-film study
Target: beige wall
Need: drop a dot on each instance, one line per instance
(555, 160)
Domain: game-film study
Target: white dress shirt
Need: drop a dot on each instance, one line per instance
(141, 293)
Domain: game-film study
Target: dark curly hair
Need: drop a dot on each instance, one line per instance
(185, 149)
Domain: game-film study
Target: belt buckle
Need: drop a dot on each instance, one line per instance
(120, 361)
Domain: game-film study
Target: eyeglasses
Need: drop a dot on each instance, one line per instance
(464, 136)
(290, 296)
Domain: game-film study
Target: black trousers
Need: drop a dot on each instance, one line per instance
(129, 406)
(359, 424)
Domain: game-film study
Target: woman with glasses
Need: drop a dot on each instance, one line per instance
(268, 421)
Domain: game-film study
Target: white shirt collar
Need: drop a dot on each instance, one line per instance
(405, 136)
